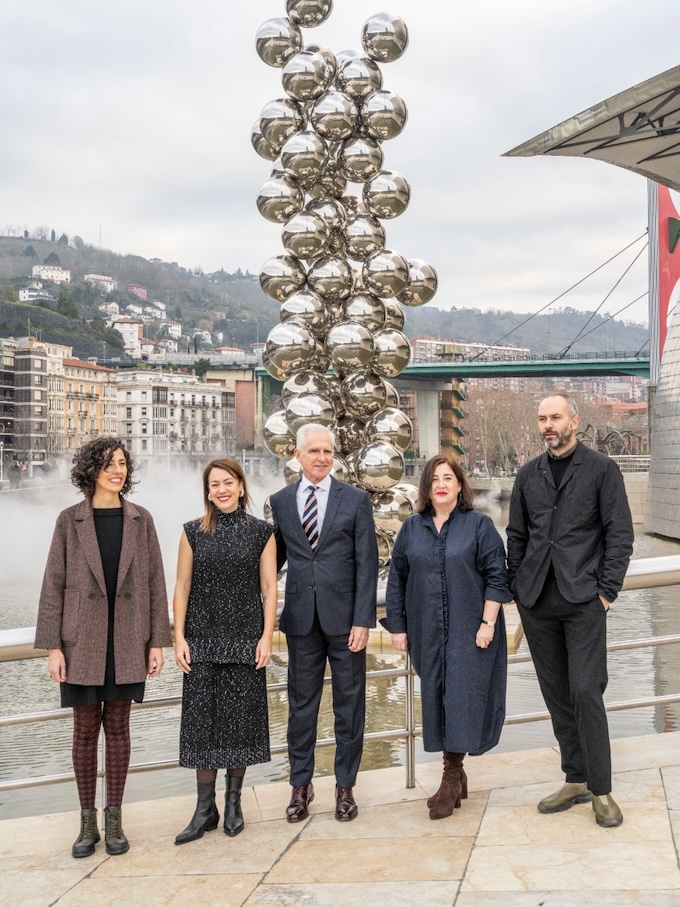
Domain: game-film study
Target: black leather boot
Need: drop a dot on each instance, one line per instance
(83, 846)
(114, 836)
(233, 817)
(205, 818)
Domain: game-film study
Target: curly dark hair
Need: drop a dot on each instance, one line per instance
(94, 456)
(449, 459)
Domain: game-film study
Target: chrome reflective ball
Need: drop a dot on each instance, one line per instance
(306, 76)
(360, 158)
(331, 277)
(306, 408)
(334, 309)
(353, 204)
(390, 425)
(383, 114)
(305, 235)
(267, 513)
(276, 372)
(358, 77)
(350, 346)
(282, 275)
(385, 273)
(384, 37)
(326, 53)
(390, 509)
(422, 283)
(279, 120)
(364, 235)
(365, 309)
(277, 436)
(340, 470)
(289, 347)
(385, 545)
(320, 361)
(394, 315)
(304, 156)
(347, 54)
(334, 385)
(331, 182)
(363, 393)
(392, 353)
(292, 471)
(307, 309)
(305, 382)
(335, 116)
(379, 466)
(276, 40)
(279, 198)
(386, 194)
(350, 434)
(411, 492)
(260, 144)
(392, 398)
(330, 210)
(309, 13)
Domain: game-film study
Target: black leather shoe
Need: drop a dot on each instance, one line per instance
(297, 809)
(345, 807)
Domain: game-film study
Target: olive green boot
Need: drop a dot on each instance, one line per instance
(565, 797)
(607, 813)
(116, 842)
(83, 846)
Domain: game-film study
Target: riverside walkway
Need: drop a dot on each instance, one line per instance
(496, 850)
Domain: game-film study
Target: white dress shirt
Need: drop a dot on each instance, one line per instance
(322, 491)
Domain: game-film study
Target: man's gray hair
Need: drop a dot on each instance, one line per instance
(311, 428)
(572, 406)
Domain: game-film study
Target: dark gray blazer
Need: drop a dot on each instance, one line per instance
(339, 578)
(584, 528)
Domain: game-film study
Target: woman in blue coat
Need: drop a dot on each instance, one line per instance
(446, 585)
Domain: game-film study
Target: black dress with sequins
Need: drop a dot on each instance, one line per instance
(224, 699)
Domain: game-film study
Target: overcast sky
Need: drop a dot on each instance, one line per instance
(135, 117)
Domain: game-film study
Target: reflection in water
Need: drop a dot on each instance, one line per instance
(44, 749)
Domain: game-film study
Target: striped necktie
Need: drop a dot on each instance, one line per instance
(310, 518)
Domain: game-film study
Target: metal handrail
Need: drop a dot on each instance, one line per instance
(16, 645)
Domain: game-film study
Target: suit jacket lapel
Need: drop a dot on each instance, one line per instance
(292, 514)
(334, 495)
(129, 546)
(544, 467)
(576, 458)
(87, 536)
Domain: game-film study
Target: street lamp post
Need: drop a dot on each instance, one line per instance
(2, 460)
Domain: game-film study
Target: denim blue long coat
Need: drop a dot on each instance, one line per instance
(437, 586)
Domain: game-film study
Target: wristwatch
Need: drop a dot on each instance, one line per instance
(489, 623)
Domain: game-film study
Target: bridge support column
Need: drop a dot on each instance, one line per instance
(427, 402)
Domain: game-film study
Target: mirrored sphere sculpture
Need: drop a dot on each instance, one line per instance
(334, 116)
(358, 77)
(282, 275)
(260, 143)
(320, 361)
(305, 382)
(392, 398)
(384, 37)
(390, 509)
(331, 182)
(360, 158)
(306, 76)
(422, 283)
(292, 470)
(277, 436)
(364, 235)
(392, 352)
(340, 470)
(279, 120)
(366, 309)
(383, 115)
(329, 210)
(385, 545)
(279, 198)
(391, 425)
(394, 315)
(289, 346)
(305, 235)
(385, 273)
(379, 466)
(276, 40)
(304, 156)
(331, 277)
(326, 53)
(306, 408)
(386, 194)
(363, 393)
(306, 308)
(309, 13)
(350, 434)
(411, 492)
(350, 346)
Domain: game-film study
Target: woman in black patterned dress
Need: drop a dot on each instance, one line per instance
(225, 607)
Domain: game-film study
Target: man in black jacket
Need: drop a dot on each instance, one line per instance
(570, 538)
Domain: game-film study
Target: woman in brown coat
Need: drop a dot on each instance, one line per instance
(103, 617)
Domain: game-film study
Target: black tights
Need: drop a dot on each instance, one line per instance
(209, 775)
(87, 721)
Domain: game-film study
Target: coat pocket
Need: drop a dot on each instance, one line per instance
(69, 621)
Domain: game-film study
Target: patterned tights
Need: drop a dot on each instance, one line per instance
(87, 720)
(209, 775)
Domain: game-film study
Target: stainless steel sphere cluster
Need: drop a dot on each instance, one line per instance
(341, 288)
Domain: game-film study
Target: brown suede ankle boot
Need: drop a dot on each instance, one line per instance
(463, 781)
(449, 795)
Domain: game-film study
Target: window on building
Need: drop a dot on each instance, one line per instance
(144, 427)
(128, 412)
(144, 444)
(144, 410)
(129, 428)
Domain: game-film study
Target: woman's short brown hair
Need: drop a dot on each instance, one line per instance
(449, 459)
(94, 456)
(209, 518)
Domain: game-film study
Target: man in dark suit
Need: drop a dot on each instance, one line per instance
(570, 538)
(325, 530)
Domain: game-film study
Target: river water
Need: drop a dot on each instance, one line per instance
(27, 519)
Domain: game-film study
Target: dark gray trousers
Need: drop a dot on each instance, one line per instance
(568, 643)
(307, 656)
